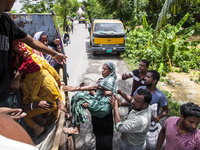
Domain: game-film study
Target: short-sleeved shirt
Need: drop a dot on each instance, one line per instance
(174, 141)
(9, 32)
(136, 80)
(135, 127)
(157, 97)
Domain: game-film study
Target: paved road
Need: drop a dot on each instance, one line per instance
(83, 66)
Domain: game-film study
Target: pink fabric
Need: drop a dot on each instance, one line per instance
(188, 141)
(39, 53)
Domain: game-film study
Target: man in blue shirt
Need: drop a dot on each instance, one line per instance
(158, 97)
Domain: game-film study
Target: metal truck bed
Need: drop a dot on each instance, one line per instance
(54, 138)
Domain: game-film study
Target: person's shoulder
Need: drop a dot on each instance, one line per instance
(159, 93)
(5, 16)
(141, 87)
(172, 119)
(11, 129)
(197, 133)
(135, 71)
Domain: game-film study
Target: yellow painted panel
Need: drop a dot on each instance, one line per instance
(109, 40)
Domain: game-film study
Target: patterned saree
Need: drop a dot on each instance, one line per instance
(99, 105)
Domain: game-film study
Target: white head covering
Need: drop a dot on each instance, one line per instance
(38, 35)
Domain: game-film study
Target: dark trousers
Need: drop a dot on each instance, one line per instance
(103, 130)
(104, 142)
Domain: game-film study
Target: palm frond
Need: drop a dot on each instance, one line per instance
(170, 6)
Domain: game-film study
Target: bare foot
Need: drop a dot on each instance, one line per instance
(71, 130)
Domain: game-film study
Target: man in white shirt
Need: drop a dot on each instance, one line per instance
(136, 126)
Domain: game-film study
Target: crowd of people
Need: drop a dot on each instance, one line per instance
(30, 90)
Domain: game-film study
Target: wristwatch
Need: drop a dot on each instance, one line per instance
(55, 55)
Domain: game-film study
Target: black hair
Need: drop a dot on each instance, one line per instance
(43, 33)
(190, 109)
(155, 74)
(146, 62)
(147, 95)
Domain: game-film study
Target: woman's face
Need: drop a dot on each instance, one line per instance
(44, 39)
(106, 71)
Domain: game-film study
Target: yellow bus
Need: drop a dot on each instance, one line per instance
(107, 36)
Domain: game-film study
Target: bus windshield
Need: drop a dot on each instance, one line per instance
(114, 27)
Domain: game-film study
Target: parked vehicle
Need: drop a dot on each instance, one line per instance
(107, 36)
(66, 39)
(82, 20)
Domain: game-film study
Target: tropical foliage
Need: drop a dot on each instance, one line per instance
(37, 6)
(172, 7)
(169, 49)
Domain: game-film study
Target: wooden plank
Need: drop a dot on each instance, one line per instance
(56, 141)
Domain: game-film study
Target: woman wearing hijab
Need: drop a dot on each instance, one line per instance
(98, 105)
(43, 37)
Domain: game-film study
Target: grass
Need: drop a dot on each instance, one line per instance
(130, 64)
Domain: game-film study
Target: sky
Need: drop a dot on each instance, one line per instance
(17, 6)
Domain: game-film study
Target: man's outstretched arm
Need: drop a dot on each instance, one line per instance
(35, 44)
(161, 138)
(127, 97)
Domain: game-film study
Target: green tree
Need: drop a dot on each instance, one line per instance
(36, 6)
(65, 8)
(94, 9)
(169, 7)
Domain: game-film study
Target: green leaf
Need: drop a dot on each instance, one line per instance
(192, 43)
(181, 22)
(145, 23)
(187, 35)
(161, 66)
(184, 31)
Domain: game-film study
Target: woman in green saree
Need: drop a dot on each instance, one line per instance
(98, 105)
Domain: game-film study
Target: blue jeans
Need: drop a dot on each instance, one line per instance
(10, 102)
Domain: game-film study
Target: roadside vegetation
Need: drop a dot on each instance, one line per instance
(170, 49)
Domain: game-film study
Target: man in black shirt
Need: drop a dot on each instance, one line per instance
(138, 76)
(9, 32)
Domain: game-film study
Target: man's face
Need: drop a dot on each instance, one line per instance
(142, 67)
(138, 102)
(148, 80)
(190, 123)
